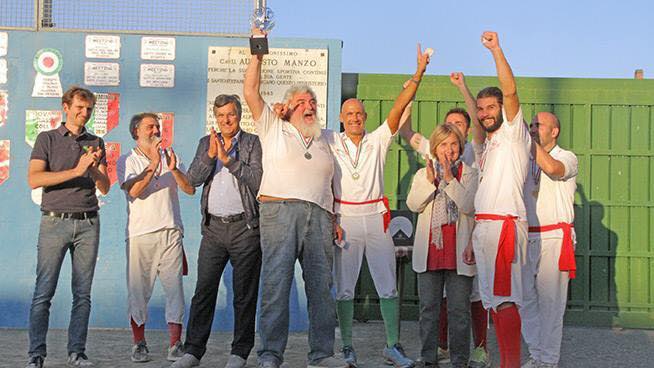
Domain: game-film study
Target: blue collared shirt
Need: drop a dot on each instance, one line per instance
(224, 197)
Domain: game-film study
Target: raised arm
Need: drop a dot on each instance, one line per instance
(548, 164)
(409, 92)
(458, 80)
(252, 82)
(504, 74)
(180, 177)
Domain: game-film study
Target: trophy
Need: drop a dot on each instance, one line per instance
(262, 18)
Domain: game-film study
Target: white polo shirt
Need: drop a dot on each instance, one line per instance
(359, 173)
(550, 201)
(503, 168)
(157, 207)
(287, 173)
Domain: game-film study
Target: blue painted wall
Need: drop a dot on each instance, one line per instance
(19, 216)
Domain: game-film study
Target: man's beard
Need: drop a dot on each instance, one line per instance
(312, 130)
(498, 123)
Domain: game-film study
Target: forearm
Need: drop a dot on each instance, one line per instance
(251, 85)
(478, 134)
(101, 179)
(137, 185)
(548, 164)
(50, 178)
(401, 102)
(406, 129)
(200, 169)
(507, 83)
(182, 182)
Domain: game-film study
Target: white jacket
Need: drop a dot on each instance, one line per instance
(421, 199)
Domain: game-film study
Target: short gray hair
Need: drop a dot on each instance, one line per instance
(222, 100)
(298, 88)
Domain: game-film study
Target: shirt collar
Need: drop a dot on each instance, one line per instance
(64, 131)
(234, 138)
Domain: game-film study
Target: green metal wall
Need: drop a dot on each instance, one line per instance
(609, 124)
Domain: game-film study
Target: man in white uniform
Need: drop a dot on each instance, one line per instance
(466, 123)
(500, 236)
(549, 197)
(150, 177)
(296, 220)
(363, 214)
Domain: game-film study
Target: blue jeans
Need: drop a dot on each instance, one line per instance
(56, 237)
(430, 293)
(293, 230)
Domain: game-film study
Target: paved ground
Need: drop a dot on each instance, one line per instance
(582, 347)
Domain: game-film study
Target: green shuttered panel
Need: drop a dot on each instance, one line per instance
(609, 124)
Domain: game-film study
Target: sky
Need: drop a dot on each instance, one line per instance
(574, 38)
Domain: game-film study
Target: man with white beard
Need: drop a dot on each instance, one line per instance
(296, 220)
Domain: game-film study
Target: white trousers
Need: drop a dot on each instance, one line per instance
(150, 255)
(485, 240)
(364, 235)
(545, 292)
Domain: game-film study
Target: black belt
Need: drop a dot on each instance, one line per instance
(228, 219)
(72, 215)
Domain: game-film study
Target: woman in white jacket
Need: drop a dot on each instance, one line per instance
(443, 194)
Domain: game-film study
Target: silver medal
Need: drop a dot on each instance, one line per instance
(307, 155)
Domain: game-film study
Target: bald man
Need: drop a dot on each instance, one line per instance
(549, 198)
(363, 215)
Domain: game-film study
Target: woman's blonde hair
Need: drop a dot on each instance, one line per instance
(441, 133)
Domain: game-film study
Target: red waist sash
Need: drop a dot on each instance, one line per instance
(567, 258)
(505, 252)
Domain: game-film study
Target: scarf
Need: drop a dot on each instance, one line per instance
(444, 211)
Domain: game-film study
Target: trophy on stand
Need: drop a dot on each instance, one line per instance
(263, 19)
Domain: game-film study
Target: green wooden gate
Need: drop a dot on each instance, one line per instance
(609, 124)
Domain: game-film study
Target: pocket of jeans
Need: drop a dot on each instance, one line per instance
(269, 211)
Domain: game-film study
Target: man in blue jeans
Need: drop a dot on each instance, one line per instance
(69, 163)
(296, 220)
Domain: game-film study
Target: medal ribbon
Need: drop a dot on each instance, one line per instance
(354, 163)
(306, 143)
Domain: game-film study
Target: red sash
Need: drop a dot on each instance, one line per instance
(387, 214)
(184, 263)
(567, 258)
(505, 253)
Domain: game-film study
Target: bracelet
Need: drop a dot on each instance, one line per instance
(417, 82)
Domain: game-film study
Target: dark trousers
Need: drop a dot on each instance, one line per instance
(222, 242)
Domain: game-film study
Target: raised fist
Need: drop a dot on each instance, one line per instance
(490, 40)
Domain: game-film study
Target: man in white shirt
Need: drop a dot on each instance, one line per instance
(296, 220)
(363, 214)
(549, 198)
(150, 177)
(500, 235)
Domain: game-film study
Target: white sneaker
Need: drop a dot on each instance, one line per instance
(531, 363)
(176, 352)
(186, 361)
(329, 362)
(235, 361)
(79, 360)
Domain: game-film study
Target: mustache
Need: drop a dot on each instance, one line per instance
(498, 123)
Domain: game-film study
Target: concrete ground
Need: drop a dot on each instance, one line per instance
(582, 347)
